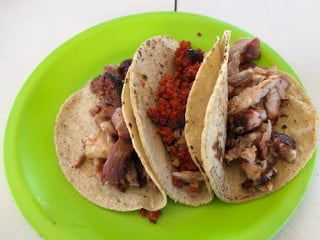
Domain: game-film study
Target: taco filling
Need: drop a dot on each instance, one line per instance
(256, 95)
(169, 115)
(110, 147)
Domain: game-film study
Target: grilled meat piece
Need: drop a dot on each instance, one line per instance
(251, 95)
(242, 53)
(247, 120)
(284, 145)
(273, 99)
(111, 144)
(249, 49)
(108, 87)
(117, 164)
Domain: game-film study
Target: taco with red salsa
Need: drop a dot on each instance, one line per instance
(266, 132)
(96, 152)
(160, 80)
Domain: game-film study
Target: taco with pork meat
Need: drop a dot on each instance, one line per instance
(95, 150)
(267, 132)
(160, 79)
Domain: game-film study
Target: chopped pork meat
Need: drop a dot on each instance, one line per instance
(285, 145)
(108, 87)
(272, 103)
(242, 78)
(265, 180)
(256, 95)
(119, 159)
(132, 176)
(110, 146)
(248, 163)
(248, 48)
(248, 78)
(99, 143)
(282, 87)
(247, 120)
(237, 146)
(241, 55)
(273, 99)
(117, 164)
(123, 68)
(265, 140)
(251, 95)
(119, 124)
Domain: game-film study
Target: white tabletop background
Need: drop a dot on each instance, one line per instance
(31, 29)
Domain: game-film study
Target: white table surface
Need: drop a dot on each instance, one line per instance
(31, 29)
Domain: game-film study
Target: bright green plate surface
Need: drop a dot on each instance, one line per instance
(49, 202)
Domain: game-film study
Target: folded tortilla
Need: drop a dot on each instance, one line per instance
(210, 77)
(74, 122)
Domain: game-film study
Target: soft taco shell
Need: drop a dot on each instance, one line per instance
(213, 135)
(202, 88)
(154, 59)
(130, 120)
(74, 122)
(301, 123)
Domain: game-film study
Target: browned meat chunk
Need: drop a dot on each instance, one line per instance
(272, 103)
(273, 99)
(117, 164)
(265, 139)
(108, 87)
(252, 95)
(119, 124)
(124, 67)
(264, 182)
(236, 146)
(111, 145)
(242, 53)
(119, 159)
(284, 145)
(249, 49)
(247, 120)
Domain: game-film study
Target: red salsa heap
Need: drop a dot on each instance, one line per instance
(169, 114)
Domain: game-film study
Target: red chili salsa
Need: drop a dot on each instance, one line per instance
(169, 114)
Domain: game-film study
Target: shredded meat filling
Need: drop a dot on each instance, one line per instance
(255, 96)
(110, 146)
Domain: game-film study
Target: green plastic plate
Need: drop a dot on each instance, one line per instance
(49, 202)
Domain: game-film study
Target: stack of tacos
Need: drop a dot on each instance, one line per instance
(180, 122)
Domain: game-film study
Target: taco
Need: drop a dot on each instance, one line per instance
(160, 78)
(95, 151)
(267, 132)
